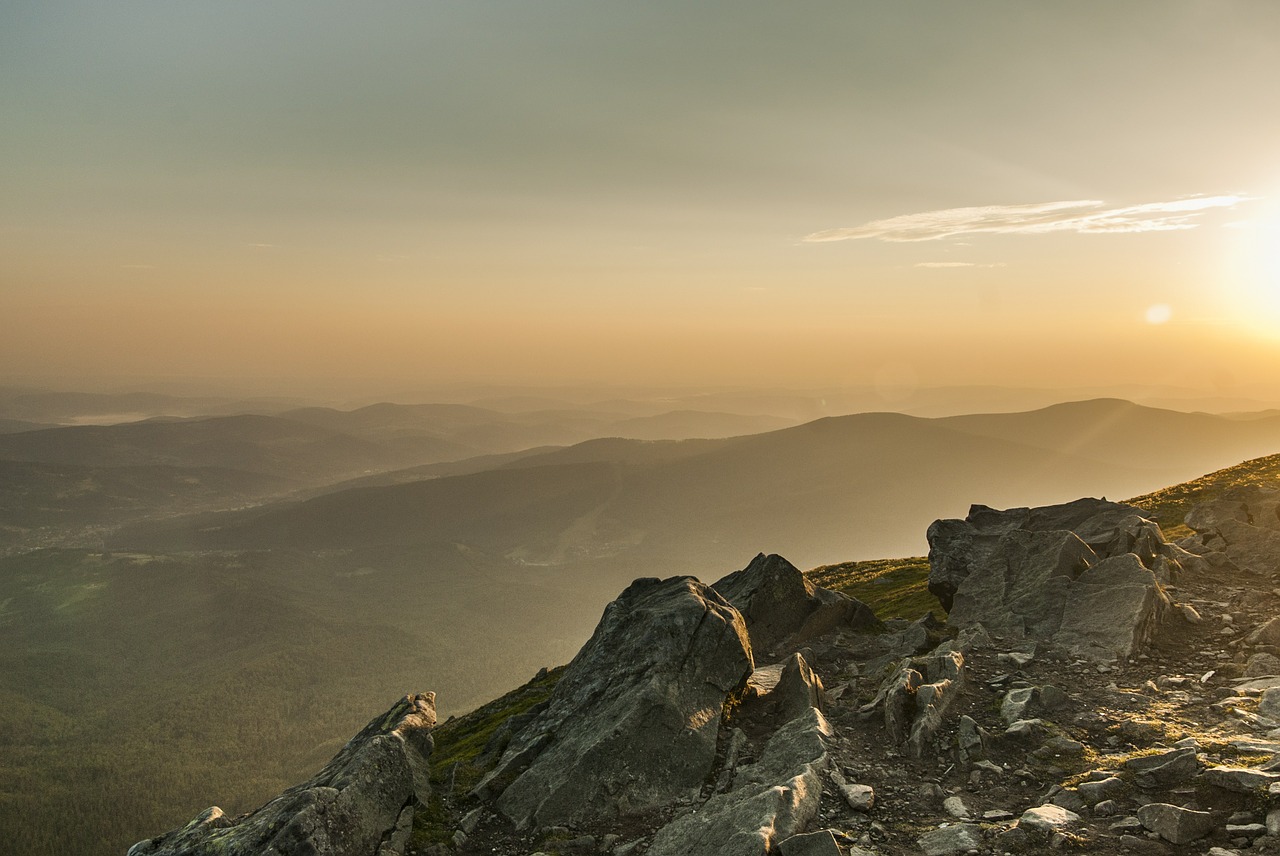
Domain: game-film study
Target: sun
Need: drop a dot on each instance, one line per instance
(1255, 269)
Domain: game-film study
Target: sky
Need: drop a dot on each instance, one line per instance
(805, 194)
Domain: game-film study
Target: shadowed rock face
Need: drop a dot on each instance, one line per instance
(780, 605)
(633, 724)
(1084, 574)
(360, 804)
(1243, 525)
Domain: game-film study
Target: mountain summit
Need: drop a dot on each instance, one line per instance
(1095, 687)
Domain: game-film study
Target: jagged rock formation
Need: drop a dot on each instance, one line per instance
(1085, 574)
(771, 799)
(360, 804)
(1242, 527)
(781, 606)
(1064, 706)
(633, 725)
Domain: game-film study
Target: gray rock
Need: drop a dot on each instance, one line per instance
(947, 840)
(1243, 524)
(798, 689)
(1261, 665)
(1106, 808)
(1269, 703)
(1246, 830)
(1243, 780)
(1017, 703)
(859, 797)
(821, 843)
(1047, 819)
(632, 725)
(1174, 824)
(358, 803)
(1051, 698)
(1127, 826)
(1095, 792)
(1082, 575)
(971, 739)
(779, 604)
(1163, 770)
(1267, 633)
(773, 799)
(1273, 822)
(955, 807)
(1025, 729)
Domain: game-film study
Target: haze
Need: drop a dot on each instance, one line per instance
(658, 193)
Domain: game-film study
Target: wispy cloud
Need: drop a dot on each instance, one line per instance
(959, 265)
(1086, 216)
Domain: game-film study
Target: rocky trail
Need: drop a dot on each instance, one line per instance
(1096, 688)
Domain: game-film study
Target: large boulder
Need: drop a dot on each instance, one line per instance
(1085, 574)
(772, 800)
(632, 726)
(360, 804)
(1243, 524)
(781, 605)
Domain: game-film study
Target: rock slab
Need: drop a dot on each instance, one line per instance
(359, 804)
(632, 725)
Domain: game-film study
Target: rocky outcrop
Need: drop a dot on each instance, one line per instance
(915, 696)
(770, 800)
(1085, 575)
(360, 804)
(1242, 527)
(781, 606)
(633, 724)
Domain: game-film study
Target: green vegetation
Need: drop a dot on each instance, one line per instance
(1169, 506)
(457, 763)
(893, 588)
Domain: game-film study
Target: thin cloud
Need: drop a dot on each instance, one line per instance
(1084, 216)
(959, 265)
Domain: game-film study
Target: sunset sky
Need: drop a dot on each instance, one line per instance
(808, 194)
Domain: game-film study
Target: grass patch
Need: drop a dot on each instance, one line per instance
(893, 588)
(1169, 506)
(456, 758)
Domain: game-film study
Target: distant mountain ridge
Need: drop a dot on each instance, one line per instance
(862, 485)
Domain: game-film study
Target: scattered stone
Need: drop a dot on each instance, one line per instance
(1174, 824)
(1242, 780)
(1262, 664)
(1154, 772)
(821, 843)
(1246, 830)
(1047, 819)
(1269, 704)
(948, 840)
(1127, 826)
(955, 807)
(1016, 704)
(1189, 613)
(1106, 789)
(1052, 698)
(859, 797)
(1106, 808)
(996, 815)
(1025, 729)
